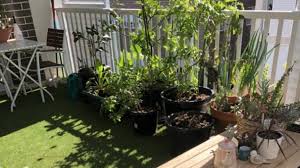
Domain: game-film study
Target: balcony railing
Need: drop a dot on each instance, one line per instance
(281, 27)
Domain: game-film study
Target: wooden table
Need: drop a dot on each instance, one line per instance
(202, 156)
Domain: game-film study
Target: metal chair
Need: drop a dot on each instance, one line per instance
(55, 40)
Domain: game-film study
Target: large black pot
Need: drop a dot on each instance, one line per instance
(92, 99)
(170, 105)
(145, 122)
(184, 139)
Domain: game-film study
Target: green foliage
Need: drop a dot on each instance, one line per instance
(97, 37)
(98, 84)
(193, 22)
(124, 88)
(263, 104)
(251, 61)
(5, 21)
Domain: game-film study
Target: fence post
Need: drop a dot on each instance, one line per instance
(292, 84)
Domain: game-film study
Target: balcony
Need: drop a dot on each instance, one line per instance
(73, 133)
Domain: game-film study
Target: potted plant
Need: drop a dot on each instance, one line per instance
(238, 75)
(275, 117)
(123, 88)
(189, 128)
(97, 38)
(96, 86)
(189, 94)
(5, 25)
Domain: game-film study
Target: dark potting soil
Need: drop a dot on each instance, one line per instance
(187, 120)
(188, 96)
(143, 110)
(269, 134)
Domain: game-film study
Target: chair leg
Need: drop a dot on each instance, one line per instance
(61, 62)
(39, 76)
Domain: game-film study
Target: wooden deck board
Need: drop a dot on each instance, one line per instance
(202, 156)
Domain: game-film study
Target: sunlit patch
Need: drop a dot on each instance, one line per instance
(116, 149)
(35, 90)
(133, 152)
(147, 160)
(3, 101)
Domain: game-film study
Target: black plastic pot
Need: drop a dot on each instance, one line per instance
(184, 139)
(170, 105)
(92, 99)
(145, 122)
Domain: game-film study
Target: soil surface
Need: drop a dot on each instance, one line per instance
(188, 96)
(190, 120)
(144, 110)
(269, 134)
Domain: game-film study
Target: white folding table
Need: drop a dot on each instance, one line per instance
(16, 47)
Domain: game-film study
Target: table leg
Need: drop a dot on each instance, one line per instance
(26, 75)
(20, 73)
(39, 75)
(7, 89)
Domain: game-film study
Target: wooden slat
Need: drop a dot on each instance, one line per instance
(239, 40)
(217, 41)
(202, 157)
(266, 29)
(193, 152)
(290, 55)
(297, 98)
(83, 22)
(276, 53)
(70, 30)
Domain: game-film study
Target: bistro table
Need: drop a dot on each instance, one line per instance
(13, 47)
(201, 156)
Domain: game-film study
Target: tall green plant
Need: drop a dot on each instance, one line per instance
(124, 87)
(193, 23)
(97, 37)
(251, 61)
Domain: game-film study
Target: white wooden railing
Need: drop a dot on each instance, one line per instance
(281, 27)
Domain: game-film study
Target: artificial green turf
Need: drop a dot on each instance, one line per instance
(69, 133)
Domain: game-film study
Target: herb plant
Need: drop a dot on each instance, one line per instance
(5, 21)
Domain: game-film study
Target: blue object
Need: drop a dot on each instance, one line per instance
(74, 85)
(244, 153)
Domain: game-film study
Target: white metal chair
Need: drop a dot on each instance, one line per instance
(55, 40)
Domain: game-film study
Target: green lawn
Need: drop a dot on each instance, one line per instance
(66, 134)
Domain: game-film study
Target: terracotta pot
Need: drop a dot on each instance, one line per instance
(5, 34)
(223, 119)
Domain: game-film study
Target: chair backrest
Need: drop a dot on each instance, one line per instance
(55, 38)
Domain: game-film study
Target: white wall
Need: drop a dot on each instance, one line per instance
(41, 14)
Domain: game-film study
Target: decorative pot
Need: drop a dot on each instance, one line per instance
(269, 148)
(145, 122)
(245, 126)
(5, 34)
(223, 119)
(173, 106)
(186, 138)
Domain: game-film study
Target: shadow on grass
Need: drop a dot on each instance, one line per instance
(102, 143)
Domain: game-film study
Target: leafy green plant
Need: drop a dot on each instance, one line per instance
(97, 37)
(190, 36)
(98, 85)
(124, 88)
(251, 61)
(5, 21)
(261, 104)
